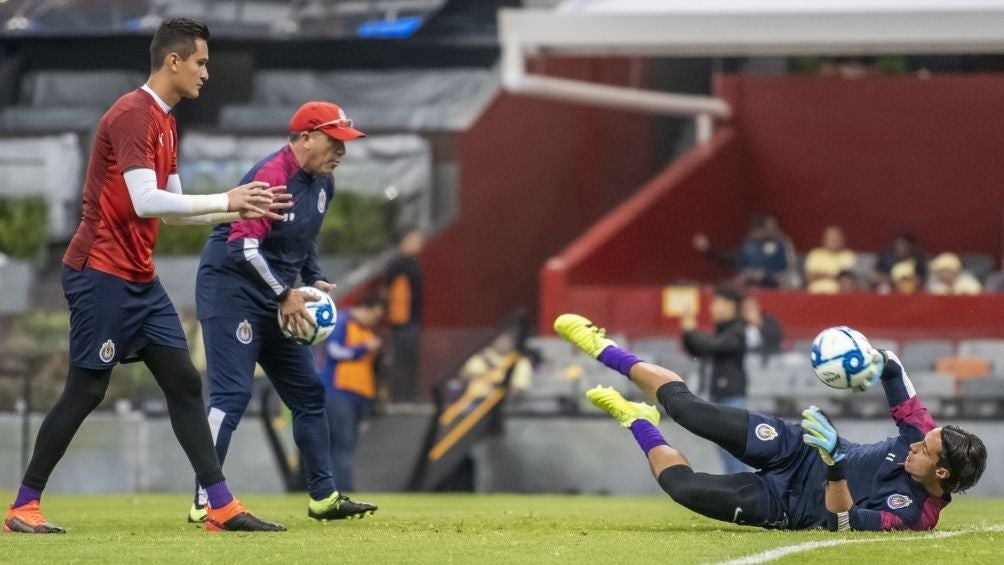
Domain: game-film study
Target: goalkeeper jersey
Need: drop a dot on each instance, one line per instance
(885, 496)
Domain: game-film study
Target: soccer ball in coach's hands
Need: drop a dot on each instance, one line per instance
(842, 358)
(323, 312)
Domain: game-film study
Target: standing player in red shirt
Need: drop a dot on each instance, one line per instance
(119, 312)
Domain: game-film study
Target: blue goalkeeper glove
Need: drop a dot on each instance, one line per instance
(822, 435)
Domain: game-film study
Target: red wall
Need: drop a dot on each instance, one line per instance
(533, 175)
(647, 238)
(877, 156)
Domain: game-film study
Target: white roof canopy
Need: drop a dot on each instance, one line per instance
(731, 28)
(759, 27)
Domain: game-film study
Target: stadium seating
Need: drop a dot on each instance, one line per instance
(990, 349)
(802, 346)
(652, 347)
(921, 355)
(66, 100)
(982, 398)
(784, 384)
(884, 343)
(864, 265)
(979, 264)
(400, 100)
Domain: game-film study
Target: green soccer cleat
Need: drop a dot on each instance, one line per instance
(625, 412)
(582, 333)
(197, 514)
(339, 507)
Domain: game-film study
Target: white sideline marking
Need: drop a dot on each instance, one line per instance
(777, 553)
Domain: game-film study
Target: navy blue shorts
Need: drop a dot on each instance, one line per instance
(793, 473)
(112, 319)
(235, 345)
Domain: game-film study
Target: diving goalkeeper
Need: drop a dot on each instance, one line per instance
(808, 476)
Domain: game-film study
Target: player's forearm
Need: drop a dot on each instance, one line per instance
(245, 252)
(149, 201)
(202, 219)
(838, 496)
(895, 383)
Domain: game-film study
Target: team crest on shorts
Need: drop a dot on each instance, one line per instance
(244, 334)
(107, 351)
(322, 201)
(765, 432)
(897, 501)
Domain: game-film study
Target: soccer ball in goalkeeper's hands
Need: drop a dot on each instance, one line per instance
(842, 358)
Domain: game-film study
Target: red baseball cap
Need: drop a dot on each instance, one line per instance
(326, 117)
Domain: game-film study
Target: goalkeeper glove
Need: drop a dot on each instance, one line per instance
(875, 368)
(822, 435)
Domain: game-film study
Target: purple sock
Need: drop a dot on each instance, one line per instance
(618, 359)
(219, 495)
(647, 435)
(26, 494)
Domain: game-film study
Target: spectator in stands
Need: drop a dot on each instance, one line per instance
(904, 278)
(489, 367)
(349, 377)
(763, 258)
(763, 331)
(847, 281)
(791, 278)
(947, 277)
(824, 263)
(722, 354)
(903, 248)
(995, 280)
(404, 312)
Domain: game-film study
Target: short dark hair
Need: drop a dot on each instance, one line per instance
(728, 291)
(965, 457)
(907, 237)
(370, 301)
(176, 36)
(845, 273)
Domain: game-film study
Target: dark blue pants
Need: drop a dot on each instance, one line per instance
(346, 412)
(233, 346)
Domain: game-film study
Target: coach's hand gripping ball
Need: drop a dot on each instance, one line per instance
(843, 358)
(321, 310)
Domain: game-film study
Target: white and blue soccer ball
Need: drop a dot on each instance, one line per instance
(323, 310)
(842, 358)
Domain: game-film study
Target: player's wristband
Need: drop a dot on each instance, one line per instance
(835, 472)
(283, 295)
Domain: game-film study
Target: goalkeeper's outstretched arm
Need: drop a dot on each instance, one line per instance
(910, 414)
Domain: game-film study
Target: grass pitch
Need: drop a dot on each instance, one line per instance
(444, 528)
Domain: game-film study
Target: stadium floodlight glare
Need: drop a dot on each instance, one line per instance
(717, 28)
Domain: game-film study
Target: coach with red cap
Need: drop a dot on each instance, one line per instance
(247, 273)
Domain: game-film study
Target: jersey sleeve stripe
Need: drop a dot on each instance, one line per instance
(252, 256)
